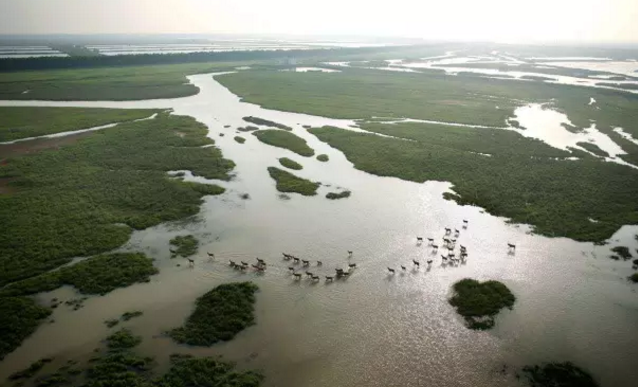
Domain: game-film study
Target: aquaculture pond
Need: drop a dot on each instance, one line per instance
(372, 328)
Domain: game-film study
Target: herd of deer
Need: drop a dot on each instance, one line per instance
(449, 243)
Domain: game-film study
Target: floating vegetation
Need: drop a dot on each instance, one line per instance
(289, 163)
(264, 122)
(287, 182)
(558, 375)
(283, 196)
(285, 140)
(633, 278)
(240, 139)
(186, 246)
(623, 252)
(129, 315)
(31, 370)
(322, 157)
(219, 315)
(19, 318)
(479, 302)
(96, 275)
(244, 196)
(111, 323)
(122, 339)
(338, 195)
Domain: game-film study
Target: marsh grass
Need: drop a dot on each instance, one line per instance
(111, 323)
(240, 139)
(264, 122)
(31, 370)
(287, 182)
(285, 140)
(19, 318)
(122, 340)
(479, 302)
(219, 315)
(248, 128)
(338, 195)
(558, 374)
(633, 278)
(523, 179)
(22, 122)
(129, 315)
(290, 164)
(322, 157)
(86, 198)
(593, 148)
(186, 246)
(623, 252)
(97, 275)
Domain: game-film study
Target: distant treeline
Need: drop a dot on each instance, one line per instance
(45, 63)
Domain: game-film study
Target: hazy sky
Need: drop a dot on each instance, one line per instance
(496, 20)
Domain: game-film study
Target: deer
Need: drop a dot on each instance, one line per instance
(305, 262)
(391, 270)
(329, 278)
(416, 262)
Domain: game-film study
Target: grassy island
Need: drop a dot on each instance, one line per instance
(593, 148)
(97, 275)
(479, 302)
(338, 195)
(219, 315)
(287, 182)
(558, 375)
(322, 157)
(240, 139)
(290, 164)
(633, 278)
(623, 252)
(285, 140)
(186, 246)
(264, 122)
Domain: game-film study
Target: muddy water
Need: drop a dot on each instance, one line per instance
(372, 329)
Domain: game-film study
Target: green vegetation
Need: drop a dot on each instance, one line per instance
(285, 140)
(536, 78)
(22, 122)
(338, 195)
(186, 246)
(287, 182)
(247, 128)
(111, 323)
(107, 83)
(30, 370)
(206, 372)
(593, 148)
(558, 375)
(623, 252)
(530, 68)
(479, 302)
(129, 315)
(97, 275)
(289, 163)
(264, 122)
(122, 339)
(219, 315)
(240, 139)
(86, 197)
(19, 318)
(627, 86)
(521, 180)
(322, 157)
(633, 278)
(75, 50)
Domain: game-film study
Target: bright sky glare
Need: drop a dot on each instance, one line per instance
(494, 20)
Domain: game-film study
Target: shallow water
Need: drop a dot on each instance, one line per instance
(373, 329)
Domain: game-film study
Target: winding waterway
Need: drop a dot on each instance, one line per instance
(373, 329)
